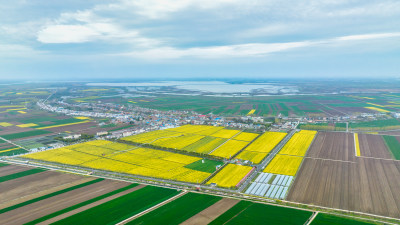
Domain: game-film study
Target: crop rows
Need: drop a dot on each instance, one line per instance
(230, 175)
(299, 143)
(229, 149)
(284, 165)
(139, 161)
(260, 148)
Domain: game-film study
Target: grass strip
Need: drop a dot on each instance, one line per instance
(52, 215)
(3, 164)
(326, 219)
(178, 210)
(121, 208)
(21, 174)
(49, 195)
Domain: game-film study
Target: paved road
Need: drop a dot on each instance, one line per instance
(265, 162)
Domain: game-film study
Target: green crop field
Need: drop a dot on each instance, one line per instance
(179, 210)
(252, 213)
(208, 165)
(376, 124)
(18, 151)
(325, 219)
(49, 195)
(393, 145)
(52, 215)
(21, 174)
(25, 134)
(121, 208)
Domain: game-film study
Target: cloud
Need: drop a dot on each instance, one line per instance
(16, 50)
(250, 49)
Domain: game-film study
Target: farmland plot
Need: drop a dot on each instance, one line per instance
(373, 146)
(229, 149)
(299, 143)
(333, 145)
(230, 175)
(365, 185)
(253, 213)
(138, 161)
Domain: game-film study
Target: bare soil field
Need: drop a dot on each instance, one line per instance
(35, 185)
(373, 146)
(211, 213)
(13, 130)
(366, 185)
(39, 209)
(333, 145)
(11, 169)
(72, 128)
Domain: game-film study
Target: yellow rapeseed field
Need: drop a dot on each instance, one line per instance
(230, 175)
(5, 124)
(245, 136)
(229, 149)
(266, 142)
(357, 145)
(225, 133)
(284, 164)
(251, 112)
(377, 109)
(117, 157)
(299, 143)
(255, 157)
(27, 125)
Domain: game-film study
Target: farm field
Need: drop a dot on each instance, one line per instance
(393, 144)
(358, 184)
(252, 213)
(373, 146)
(229, 149)
(209, 214)
(260, 148)
(299, 143)
(205, 145)
(284, 165)
(245, 136)
(121, 208)
(123, 158)
(326, 219)
(333, 145)
(230, 175)
(52, 204)
(179, 210)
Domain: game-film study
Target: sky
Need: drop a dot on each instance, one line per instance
(209, 39)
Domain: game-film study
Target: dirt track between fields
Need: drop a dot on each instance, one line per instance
(211, 213)
(53, 204)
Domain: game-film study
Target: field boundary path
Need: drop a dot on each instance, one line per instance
(153, 208)
(309, 221)
(266, 160)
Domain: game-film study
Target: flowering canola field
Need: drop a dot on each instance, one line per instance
(260, 148)
(230, 175)
(122, 158)
(284, 165)
(299, 143)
